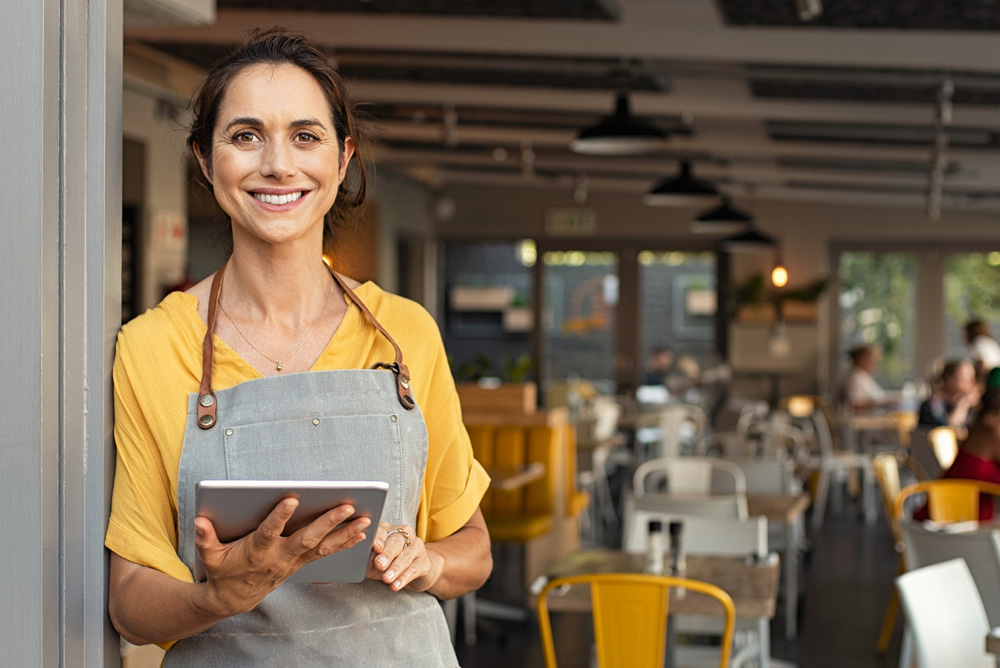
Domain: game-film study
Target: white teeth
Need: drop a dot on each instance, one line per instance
(277, 199)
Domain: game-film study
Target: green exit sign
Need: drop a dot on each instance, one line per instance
(573, 222)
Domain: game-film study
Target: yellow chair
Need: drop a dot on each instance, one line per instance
(630, 617)
(948, 499)
(944, 445)
(886, 466)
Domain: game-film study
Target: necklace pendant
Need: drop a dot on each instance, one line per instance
(279, 366)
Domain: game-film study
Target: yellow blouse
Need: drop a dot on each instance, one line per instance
(158, 364)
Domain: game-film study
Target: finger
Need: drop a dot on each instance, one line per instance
(378, 544)
(407, 576)
(270, 529)
(394, 544)
(402, 561)
(343, 538)
(310, 536)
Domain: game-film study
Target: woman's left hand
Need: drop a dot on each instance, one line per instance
(400, 559)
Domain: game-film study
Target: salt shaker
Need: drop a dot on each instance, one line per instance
(656, 546)
(678, 566)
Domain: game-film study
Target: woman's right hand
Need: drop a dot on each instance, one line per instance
(241, 573)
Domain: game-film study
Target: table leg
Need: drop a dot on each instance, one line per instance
(668, 660)
(793, 538)
(764, 643)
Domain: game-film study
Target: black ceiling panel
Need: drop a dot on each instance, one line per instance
(889, 135)
(465, 68)
(979, 15)
(869, 92)
(603, 10)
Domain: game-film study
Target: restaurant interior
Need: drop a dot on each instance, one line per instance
(654, 235)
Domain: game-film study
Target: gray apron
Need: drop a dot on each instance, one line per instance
(321, 425)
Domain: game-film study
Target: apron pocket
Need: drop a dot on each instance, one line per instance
(355, 447)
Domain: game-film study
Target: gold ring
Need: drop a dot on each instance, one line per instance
(401, 533)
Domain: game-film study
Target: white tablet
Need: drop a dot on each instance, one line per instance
(237, 507)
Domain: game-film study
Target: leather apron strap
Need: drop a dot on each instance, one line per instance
(207, 404)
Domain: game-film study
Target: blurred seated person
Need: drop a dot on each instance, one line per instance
(660, 363)
(956, 394)
(984, 349)
(860, 391)
(979, 455)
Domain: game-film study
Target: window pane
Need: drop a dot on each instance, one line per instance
(581, 300)
(488, 288)
(878, 306)
(971, 292)
(677, 305)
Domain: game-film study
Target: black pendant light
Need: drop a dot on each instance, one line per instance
(681, 190)
(749, 241)
(619, 134)
(723, 219)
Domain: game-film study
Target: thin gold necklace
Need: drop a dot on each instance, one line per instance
(301, 343)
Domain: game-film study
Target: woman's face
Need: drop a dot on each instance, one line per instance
(276, 164)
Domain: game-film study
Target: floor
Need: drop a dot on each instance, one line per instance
(847, 581)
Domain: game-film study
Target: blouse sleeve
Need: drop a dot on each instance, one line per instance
(142, 527)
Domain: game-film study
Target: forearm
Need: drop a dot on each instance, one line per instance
(148, 606)
(463, 560)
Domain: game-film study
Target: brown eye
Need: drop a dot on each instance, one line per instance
(244, 137)
(306, 137)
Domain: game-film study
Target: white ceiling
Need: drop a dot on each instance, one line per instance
(707, 70)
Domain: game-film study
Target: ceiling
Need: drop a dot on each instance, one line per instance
(845, 107)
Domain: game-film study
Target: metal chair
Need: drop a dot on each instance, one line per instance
(887, 468)
(948, 499)
(643, 602)
(944, 445)
(946, 615)
(979, 549)
(689, 476)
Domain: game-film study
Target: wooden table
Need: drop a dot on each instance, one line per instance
(788, 511)
(993, 641)
(753, 587)
(508, 481)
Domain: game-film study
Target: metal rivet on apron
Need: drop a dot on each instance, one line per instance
(316, 421)
(405, 382)
(229, 432)
(206, 420)
(393, 418)
(206, 400)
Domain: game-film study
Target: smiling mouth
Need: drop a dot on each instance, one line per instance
(277, 199)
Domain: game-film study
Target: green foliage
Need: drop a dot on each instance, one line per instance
(516, 370)
(754, 291)
(972, 287)
(480, 366)
(878, 306)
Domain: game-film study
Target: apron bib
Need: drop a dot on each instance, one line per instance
(320, 425)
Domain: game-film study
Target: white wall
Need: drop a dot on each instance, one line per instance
(163, 263)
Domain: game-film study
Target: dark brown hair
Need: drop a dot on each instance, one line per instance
(975, 328)
(278, 46)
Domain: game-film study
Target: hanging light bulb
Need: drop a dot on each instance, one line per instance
(779, 275)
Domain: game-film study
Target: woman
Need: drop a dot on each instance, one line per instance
(210, 384)
(860, 391)
(978, 456)
(955, 395)
(983, 348)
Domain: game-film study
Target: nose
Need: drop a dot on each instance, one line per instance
(277, 160)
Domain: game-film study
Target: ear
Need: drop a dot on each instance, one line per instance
(202, 162)
(345, 157)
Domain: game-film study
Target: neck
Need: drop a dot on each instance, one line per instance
(281, 285)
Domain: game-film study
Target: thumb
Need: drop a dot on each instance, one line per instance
(205, 537)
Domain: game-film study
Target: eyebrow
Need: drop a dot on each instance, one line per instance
(249, 120)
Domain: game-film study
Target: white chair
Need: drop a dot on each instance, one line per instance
(689, 476)
(732, 506)
(946, 615)
(680, 426)
(704, 535)
(829, 462)
(979, 549)
(767, 476)
(720, 536)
